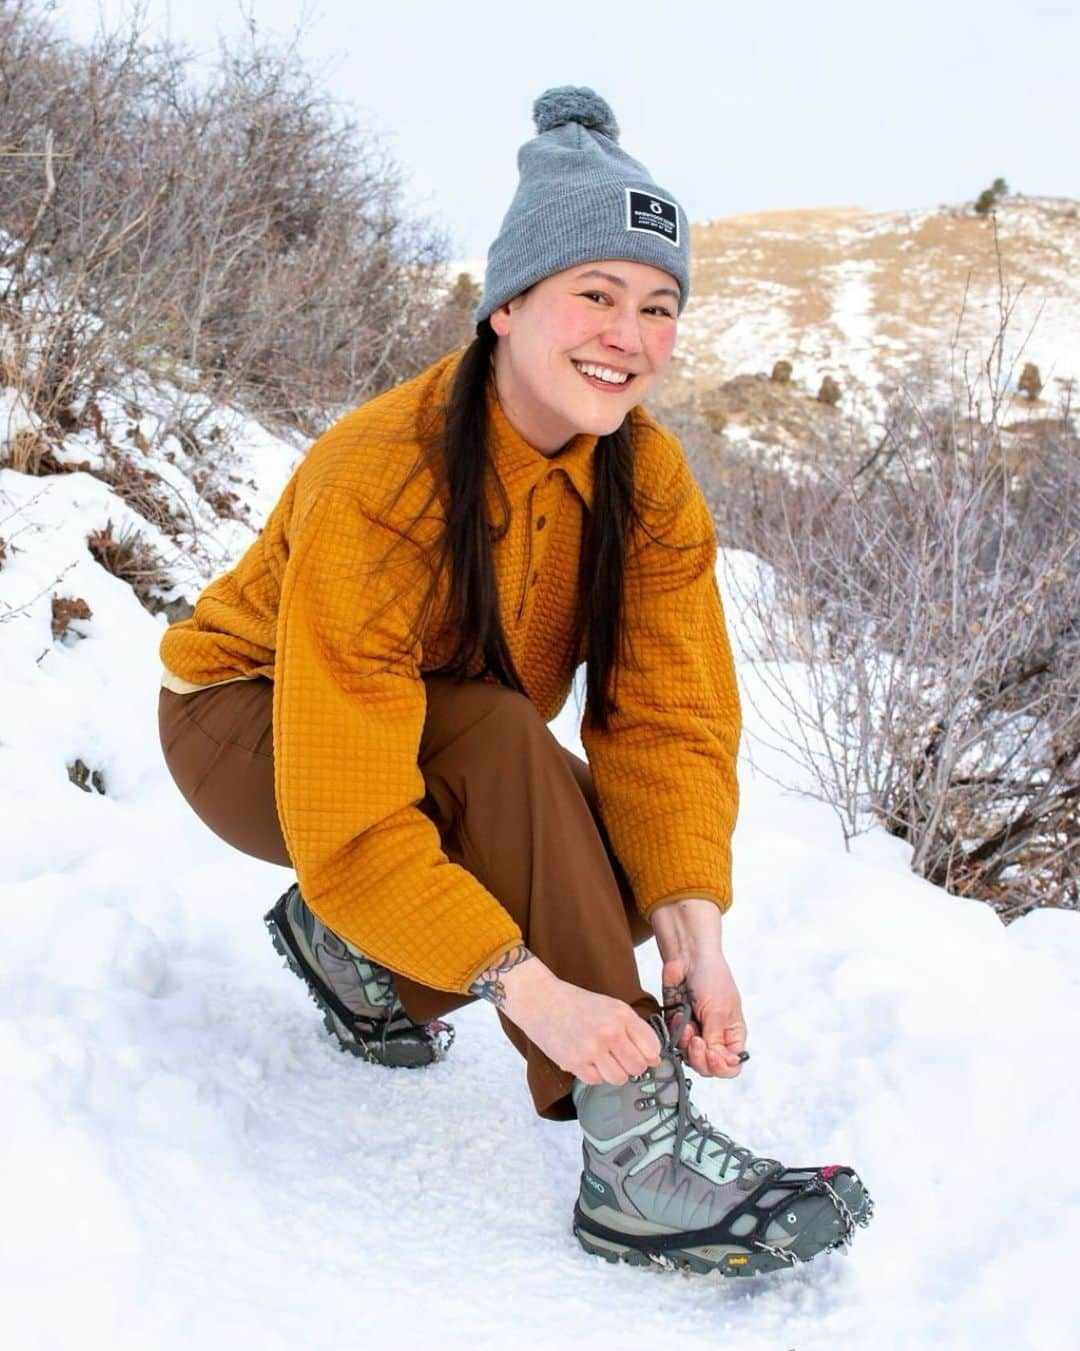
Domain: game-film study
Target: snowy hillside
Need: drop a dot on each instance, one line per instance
(187, 1160)
(869, 297)
(859, 294)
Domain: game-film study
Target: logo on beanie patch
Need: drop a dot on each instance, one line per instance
(652, 215)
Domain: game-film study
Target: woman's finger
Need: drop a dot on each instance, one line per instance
(722, 1063)
(690, 1031)
(645, 1042)
(610, 1069)
(695, 1053)
(629, 1057)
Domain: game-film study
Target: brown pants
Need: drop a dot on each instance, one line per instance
(526, 824)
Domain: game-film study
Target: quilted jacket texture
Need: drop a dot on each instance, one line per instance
(311, 605)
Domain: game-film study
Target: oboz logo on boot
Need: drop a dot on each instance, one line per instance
(594, 1184)
(652, 215)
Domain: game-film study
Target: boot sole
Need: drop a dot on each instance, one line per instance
(728, 1261)
(398, 1052)
(817, 1236)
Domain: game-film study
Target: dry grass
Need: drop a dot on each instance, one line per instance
(916, 265)
(780, 413)
(64, 610)
(29, 452)
(131, 558)
(145, 492)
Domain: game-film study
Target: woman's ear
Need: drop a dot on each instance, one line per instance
(500, 320)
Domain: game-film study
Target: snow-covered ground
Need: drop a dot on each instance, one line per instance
(186, 1160)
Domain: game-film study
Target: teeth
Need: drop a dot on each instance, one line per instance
(603, 373)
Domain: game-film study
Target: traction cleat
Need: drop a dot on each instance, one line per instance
(662, 1187)
(357, 997)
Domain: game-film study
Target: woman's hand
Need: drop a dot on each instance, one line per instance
(593, 1036)
(688, 934)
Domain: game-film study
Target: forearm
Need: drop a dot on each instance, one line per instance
(688, 928)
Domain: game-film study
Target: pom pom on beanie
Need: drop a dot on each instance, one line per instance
(574, 103)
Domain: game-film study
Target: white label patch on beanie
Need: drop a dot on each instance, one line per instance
(652, 215)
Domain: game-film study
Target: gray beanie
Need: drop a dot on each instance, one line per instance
(580, 199)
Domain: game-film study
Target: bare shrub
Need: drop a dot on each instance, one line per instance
(450, 323)
(781, 372)
(919, 638)
(130, 557)
(237, 229)
(829, 392)
(145, 492)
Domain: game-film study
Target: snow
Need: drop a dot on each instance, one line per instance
(187, 1159)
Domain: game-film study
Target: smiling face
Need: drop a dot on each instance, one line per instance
(579, 349)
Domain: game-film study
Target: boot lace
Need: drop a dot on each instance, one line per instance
(687, 1124)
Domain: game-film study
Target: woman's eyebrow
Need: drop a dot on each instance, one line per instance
(618, 281)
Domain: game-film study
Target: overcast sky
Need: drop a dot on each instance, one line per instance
(732, 106)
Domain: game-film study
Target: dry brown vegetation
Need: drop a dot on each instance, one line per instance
(919, 633)
(127, 555)
(777, 276)
(64, 610)
(238, 233)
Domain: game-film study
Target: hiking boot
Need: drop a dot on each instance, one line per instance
(357, 996)
(663, 1187)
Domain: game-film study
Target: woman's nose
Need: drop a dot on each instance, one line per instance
(624, 331)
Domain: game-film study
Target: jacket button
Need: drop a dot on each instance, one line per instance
(541, 521)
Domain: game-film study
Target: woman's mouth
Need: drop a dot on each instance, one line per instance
(602, 377)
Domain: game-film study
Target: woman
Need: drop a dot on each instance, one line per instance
(364, 697)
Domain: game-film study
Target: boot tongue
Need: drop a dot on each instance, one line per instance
(665, 1080)
(665, 1076)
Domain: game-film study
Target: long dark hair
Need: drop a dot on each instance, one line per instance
(456, 450)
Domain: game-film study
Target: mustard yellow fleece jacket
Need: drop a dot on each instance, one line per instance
(310, 606)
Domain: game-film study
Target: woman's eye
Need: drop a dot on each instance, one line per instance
(594, 295)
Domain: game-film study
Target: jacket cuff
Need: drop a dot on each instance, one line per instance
(691, 893)
(491, 960)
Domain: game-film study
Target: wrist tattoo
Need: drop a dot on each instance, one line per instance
(488, 984)
(677, 996)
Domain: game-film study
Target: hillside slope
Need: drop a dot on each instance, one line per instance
(865, 295)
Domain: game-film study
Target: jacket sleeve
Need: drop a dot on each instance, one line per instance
(349, 707)
(665, 770)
